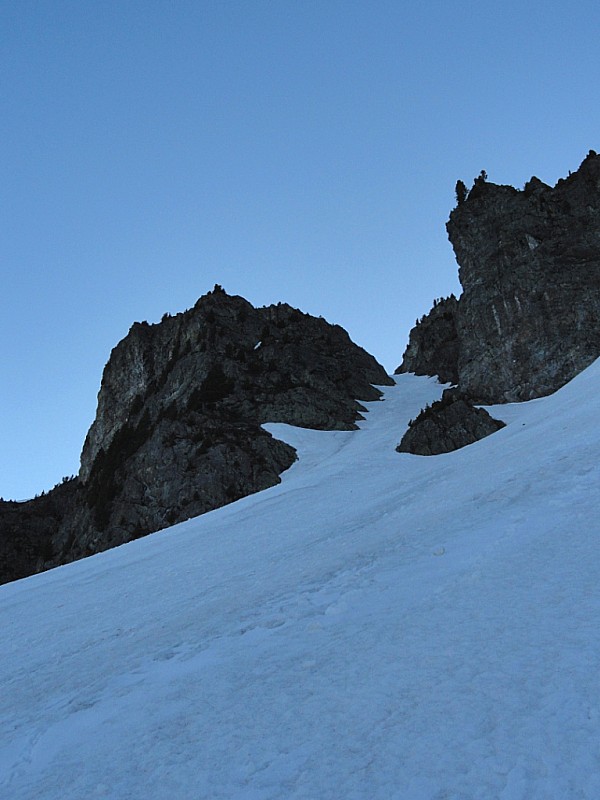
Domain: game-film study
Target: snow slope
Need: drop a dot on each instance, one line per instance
(378, 626)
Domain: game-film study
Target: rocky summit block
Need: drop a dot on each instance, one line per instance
(528, 318)
(178, 426)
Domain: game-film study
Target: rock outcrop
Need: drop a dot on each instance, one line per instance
(448, 424)
(178, 426)
(433, 344)
(27, 530)
(528, 319)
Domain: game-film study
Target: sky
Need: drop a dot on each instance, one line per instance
(295, 151)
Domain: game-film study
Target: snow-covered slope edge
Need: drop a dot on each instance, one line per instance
(377, 626)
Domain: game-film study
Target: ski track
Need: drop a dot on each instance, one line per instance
(378, 626)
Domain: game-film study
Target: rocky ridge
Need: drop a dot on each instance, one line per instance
(527, 320)
(178, 426)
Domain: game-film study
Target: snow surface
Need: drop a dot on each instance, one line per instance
(378, 626)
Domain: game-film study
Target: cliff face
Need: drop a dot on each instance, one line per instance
(528, 319)
(529, 313)
(433, 343)
(177, 430)
(27, 530)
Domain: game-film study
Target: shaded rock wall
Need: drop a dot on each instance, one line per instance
(178, 426)
(433, 343)
(27, 530)
(529, 315)
(448, 424)
(528, 319)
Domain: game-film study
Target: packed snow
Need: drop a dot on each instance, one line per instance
(379, 626)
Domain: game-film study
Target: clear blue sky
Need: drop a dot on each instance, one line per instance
(303, 151)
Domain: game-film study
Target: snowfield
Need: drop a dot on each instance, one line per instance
(380, 626)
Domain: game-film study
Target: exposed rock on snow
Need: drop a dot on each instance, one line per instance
(448, 424)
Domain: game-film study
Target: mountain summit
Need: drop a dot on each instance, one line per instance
(528, 318)
(178, 426)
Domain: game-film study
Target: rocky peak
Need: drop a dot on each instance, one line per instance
(527, 320)
(178, 425)
(272, 353)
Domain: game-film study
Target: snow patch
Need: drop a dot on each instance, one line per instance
(379, 625)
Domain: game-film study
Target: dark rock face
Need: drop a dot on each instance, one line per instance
(433, 343)
(530, 269)
(27, 530)
(449, 424)
(528, 319)
(177, 430)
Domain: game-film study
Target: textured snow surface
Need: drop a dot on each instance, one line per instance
(379, 626)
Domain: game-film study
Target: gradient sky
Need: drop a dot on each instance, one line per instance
(303, 151)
